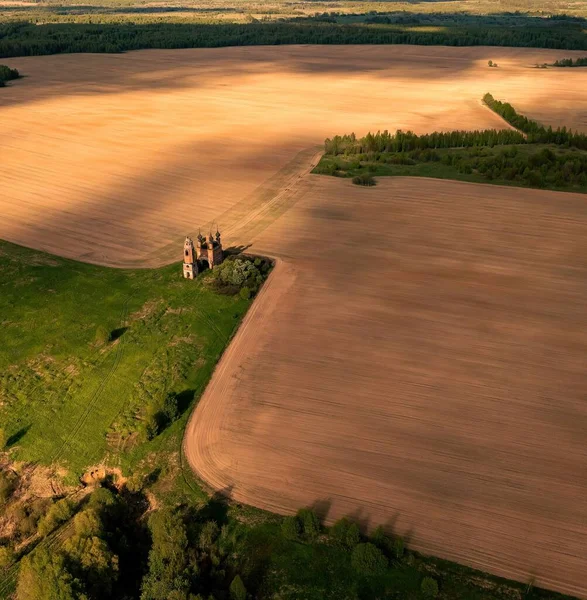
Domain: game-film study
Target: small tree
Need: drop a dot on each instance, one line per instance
(345, 533)
(367, 559)
(60, 512)
(310, 523)
(398, 547)
(429, 587)
(382, 541)
(87, 523)
(291, 528)
(238, 591)
(208, 535)
(102, 335)
(490, 63)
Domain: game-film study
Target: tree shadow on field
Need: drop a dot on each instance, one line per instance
(117, 333)
(322, 509)
(184, 400)
(236, 250)
(359, 517)
(16, 437)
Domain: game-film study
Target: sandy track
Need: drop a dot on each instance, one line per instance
(417, 360)
(113, 158)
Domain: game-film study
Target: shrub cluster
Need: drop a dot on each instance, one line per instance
(6, 74)
(542, 168)
(367, 559)
(241, 274)
(365, 179)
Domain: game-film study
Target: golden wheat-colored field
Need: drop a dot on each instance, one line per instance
(417, 357)
(112, 158)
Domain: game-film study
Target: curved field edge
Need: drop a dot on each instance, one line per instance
(331, 203)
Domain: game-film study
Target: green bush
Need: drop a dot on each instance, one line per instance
(102, 335)
(310, 523)
(240, 274)
(367, 559)
(208, 535)
(87, 523)
(6, 73)
(237, 589)
(60, 512)
(43, 574)
(6, 557)
(346, 534)
(429, 587)
(291, 528)
(364, 179)
(398, 547)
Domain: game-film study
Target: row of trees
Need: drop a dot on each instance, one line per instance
(26, 39)
(405, 141)
(569, 62)
(537, 133)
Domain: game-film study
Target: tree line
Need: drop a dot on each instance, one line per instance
(27, 39)
(569, 62)
(537, 133)
(405, 141)
(400, 141)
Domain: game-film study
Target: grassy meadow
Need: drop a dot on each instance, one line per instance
(66, 396)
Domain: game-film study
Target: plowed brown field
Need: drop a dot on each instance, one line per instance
(417, 360)
(418, 357)
(112, 158)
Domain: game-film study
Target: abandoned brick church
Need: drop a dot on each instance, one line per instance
(206, 253)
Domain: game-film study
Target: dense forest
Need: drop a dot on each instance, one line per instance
(534, 156)
(26, 38)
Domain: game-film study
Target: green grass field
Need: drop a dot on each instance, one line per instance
(69, 400)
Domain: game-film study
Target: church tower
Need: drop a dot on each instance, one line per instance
(190, 265)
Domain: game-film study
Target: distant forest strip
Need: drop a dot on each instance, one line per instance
(569, 62)
(405, 141)
(28, 39)
(545, 158)
(537, 133)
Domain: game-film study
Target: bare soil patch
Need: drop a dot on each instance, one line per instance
(417, 360)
